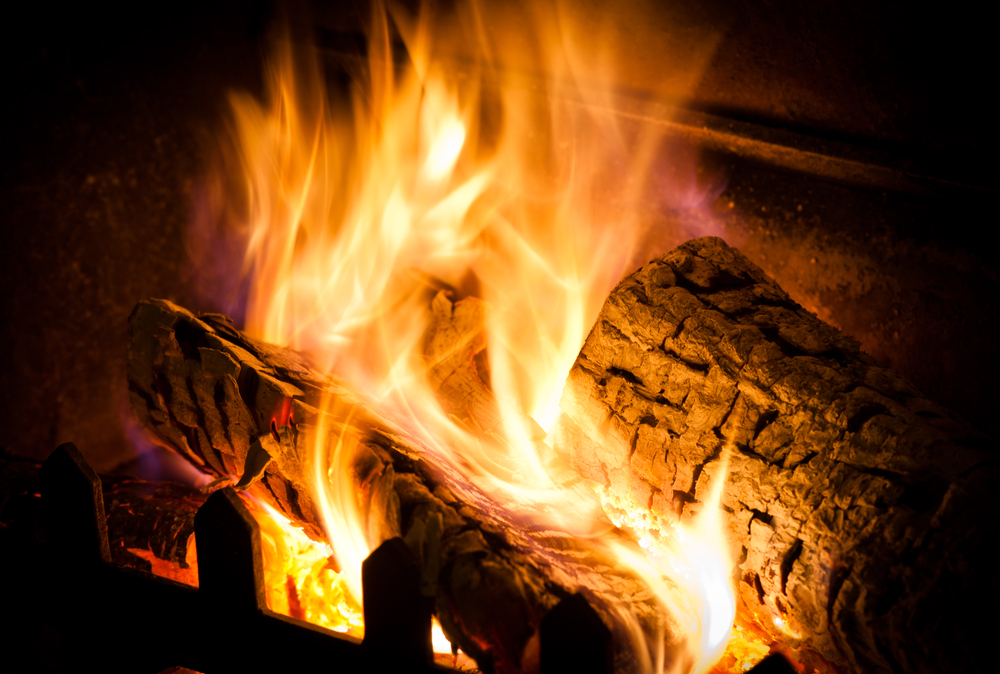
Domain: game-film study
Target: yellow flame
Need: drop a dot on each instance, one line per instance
(695, 559)
(336, 498)
(299, 578)
(357, 214)
(445, 653)
(439, 641)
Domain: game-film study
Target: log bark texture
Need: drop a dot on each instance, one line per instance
(238, 407)
(152, 520)
(860, 514)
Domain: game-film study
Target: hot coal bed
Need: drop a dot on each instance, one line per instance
(866, 204)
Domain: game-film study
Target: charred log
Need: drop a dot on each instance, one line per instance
(859, 512)
(149, 523)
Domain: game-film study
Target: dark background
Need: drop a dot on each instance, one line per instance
(111, 112)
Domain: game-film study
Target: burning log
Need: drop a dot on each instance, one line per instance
(241, 408)
(859, 512)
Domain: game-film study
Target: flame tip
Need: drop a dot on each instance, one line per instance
(349, 212)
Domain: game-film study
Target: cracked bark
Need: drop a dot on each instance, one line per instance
(858, 512)
(235, 406)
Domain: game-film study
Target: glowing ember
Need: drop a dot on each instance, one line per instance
(166, 569)
(743, 651)
(356, 215)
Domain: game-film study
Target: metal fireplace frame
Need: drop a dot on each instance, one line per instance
(125, 620)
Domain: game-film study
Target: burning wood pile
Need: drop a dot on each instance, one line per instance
(422, 263)
(240, 408)
(851, 504)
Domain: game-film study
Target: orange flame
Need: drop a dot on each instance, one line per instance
(357, 214)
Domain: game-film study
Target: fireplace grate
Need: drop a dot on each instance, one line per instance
(127, 620)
